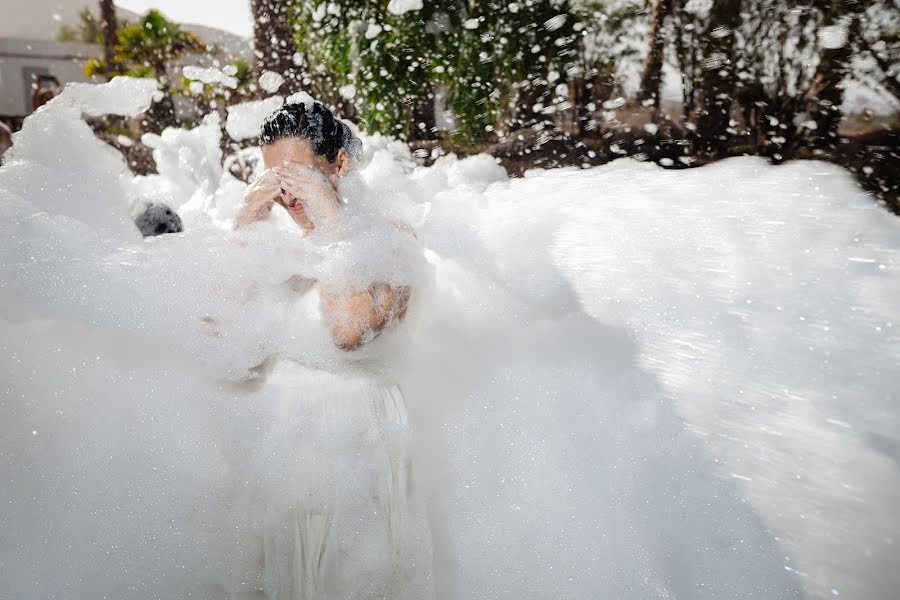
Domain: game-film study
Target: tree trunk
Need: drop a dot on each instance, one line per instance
(161, 114)
(752, 99)
(715, 92)
(526, 98)
(824, 96)
(651, 75)
(110, 36)
(424, 126)
(576, 117)
(273, 44)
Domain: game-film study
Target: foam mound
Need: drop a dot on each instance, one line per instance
(623, 382)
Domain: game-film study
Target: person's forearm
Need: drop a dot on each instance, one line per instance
(359, 317)
(352, 319)
(250, 214)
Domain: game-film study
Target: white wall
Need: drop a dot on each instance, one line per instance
(38, 19)
(19, 58)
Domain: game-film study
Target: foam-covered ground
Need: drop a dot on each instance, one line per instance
(624, 382)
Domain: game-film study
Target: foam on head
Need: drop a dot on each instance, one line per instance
(313, 122)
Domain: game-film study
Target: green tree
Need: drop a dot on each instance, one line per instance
(511, 59)
(361, 54)
(110, 27)
(146, 48)
(480, 52)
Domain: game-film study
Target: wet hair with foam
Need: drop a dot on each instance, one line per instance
(314, 122)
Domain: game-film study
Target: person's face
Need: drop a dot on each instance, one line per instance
(300, 151)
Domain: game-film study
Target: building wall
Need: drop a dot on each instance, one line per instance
(21, 59)
(38, 19)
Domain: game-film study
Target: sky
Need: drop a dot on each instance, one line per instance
(230, 15)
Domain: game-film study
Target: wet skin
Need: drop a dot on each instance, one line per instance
(306, 185)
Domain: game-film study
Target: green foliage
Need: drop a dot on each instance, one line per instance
(89, 29)
(478, 50)
(497, 48)
(116, 128)
(243, 73)
(377, 58)
(145, 47)
(148, 45)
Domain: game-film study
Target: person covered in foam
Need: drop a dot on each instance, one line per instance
(306, 152)
(340, 517)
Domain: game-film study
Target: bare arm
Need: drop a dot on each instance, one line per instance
(261, 197)
(359, 317)
(354, 317)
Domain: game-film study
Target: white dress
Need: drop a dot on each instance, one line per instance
(342, 521)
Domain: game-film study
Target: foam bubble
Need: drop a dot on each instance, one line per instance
(562, 328)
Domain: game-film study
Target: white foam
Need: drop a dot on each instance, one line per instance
(400, 7)
(832, 36)
(209, 75)
(124, 96)
(586, 353)
(245, 119)
(270, 81)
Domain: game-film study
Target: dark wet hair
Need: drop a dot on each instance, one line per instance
(310, 121)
